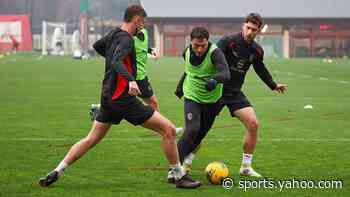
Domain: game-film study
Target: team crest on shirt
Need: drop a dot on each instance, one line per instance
(189, 116)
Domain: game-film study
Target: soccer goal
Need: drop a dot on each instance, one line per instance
(54, 39)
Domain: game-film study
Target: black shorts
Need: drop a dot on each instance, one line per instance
(134, 112)
(145, 88)
(234, 102)
(200, 116)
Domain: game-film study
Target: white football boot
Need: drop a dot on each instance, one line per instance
(248, 171)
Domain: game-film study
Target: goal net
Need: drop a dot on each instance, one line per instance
(54, 39)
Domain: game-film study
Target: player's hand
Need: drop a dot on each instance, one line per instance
(179, 93)
(134, 88)
(155, 54)
(211, 84)
(281, 88)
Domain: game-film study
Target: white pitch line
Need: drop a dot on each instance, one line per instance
(310, 76)
(147, 139)
(306, 76)
(344, 82)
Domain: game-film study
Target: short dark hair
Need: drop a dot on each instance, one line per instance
(254, 18)
(199, 33)
(134, 10)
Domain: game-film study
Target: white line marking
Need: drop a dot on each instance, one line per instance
(344, 82)
(306, 76)
(309, 76)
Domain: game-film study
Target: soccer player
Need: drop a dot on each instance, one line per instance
(118, 101)
(142, 50)
(241, 51)
(15, 43)
(201, 85)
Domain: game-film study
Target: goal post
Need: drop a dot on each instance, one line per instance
(54, 38)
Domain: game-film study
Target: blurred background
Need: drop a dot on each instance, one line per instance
(292, 28)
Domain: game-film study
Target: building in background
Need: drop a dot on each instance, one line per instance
(298, 28)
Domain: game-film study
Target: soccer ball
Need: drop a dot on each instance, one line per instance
(216, 172)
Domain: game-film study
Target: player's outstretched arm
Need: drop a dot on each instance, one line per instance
(101, 45)
(219, 60)
(179, 92)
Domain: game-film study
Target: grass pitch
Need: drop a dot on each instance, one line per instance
(44, 106)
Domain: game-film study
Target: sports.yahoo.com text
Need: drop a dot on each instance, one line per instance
(281, 185)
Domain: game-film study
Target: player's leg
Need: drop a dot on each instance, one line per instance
(97, 132)
(16, 47)
(209, 113)
(139, 114)
(148, 96)
(188, 141)
(248, 117)
(152, 101)
(166, 129)
(188, 160)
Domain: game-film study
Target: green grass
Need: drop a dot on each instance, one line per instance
(44, 109)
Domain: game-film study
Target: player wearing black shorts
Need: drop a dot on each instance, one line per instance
(142, 50)
(146, 90)
(241, 51)
(201, 85)
(147, 95)
(118, 101)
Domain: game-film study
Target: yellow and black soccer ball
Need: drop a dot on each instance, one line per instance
(216, 172)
